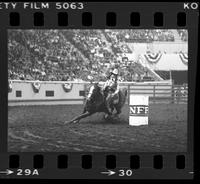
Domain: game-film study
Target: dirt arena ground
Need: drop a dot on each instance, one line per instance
(42, 129)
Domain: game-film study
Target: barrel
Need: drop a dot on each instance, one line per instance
(138, 110)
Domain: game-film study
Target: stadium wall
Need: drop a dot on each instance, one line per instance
(169, 47)
(22, 92)
(56, 96)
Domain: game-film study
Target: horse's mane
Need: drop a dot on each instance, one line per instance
(99, 90)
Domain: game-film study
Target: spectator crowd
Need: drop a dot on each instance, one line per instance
(73, 55)
(139, 35)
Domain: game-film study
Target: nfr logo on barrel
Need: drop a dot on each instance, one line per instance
(138, 110)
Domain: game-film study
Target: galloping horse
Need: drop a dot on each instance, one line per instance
(95, 103)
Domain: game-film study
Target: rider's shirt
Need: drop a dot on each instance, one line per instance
(112, 84)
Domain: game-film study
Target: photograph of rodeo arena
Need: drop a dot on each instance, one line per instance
(97, 90)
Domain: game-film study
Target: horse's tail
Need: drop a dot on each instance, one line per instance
(125, 92)
(123, 95)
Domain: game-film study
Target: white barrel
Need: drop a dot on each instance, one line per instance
(138, 110)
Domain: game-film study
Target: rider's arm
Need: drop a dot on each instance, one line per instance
(117, 89)
(105, 85)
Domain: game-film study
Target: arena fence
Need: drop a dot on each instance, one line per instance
(161, 93)
(60, 92)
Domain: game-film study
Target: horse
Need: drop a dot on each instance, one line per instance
(95, 103)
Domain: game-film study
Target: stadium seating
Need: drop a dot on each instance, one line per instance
(139, 35)
(76, 54)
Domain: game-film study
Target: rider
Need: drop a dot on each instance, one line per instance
(112, 86)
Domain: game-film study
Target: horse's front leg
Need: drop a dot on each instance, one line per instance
(78, 118)
(115, 115)
(84, 111)
(109, 114)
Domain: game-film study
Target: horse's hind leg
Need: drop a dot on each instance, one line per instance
(112, 108)
(118, 111)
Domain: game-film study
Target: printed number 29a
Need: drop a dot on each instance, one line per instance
(27, 172)
(123, 172)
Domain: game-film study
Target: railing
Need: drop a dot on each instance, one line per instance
(161, 93)
(158, 92)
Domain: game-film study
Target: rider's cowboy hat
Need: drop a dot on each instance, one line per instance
(115, 72)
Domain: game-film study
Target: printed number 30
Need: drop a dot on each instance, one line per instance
(125, 172)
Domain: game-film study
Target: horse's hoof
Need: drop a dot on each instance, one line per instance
(106, 117)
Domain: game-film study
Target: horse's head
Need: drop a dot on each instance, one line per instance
(94, 92)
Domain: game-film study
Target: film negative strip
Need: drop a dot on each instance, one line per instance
(97, 90)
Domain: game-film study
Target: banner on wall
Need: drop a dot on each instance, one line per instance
(184, 57)
(67, 87)
(36, 86)
(153, 57)
(9, 86)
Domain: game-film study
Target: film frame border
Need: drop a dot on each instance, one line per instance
(146, 21)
